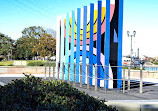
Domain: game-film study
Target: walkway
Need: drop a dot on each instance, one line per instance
(149, 92)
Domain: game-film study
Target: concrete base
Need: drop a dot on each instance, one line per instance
(134, 105)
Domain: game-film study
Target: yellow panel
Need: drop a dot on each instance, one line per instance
(88, 35)
(75, 31)
(70, 28)
(81, 36)
(95, 20)
(103, 13)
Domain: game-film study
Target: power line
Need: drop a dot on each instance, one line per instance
(18, 6)
(38, 6)
(30, 8)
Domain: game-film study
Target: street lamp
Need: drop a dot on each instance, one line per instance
(131, 35)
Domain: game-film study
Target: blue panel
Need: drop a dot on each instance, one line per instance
(107, 39)
(67, 47)
(99, 40)
(91, 43)
(72, 45)
(84, 44)
(78, 44)
(119, 75)
(62, 46)
(115, 36)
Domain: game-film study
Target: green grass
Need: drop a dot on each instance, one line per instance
(6, 63)
(10, 63)
(30, 61)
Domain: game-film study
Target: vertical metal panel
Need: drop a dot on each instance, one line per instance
(141, 78)
(87, 76)
(72, 45)
(63, 65)
(91, 42)
(58, 39)
(96, 79)
(68, 73)
(120, 27)
(80, 75)
(124, 79)
(74, 83)
(84, 44)
(67, 47)
(107, 40)
(78, 44)
(62, 47)
(58, 73)
(99, 40)
(128, 78)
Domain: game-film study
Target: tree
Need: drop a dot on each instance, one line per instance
(6, 46)
(33, 32)
(46, 45)
(24, 47)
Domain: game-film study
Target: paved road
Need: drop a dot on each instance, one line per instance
(149, 92)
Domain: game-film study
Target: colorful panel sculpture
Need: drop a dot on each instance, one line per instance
(93, 35)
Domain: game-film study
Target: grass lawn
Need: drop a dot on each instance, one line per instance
(10, 63)
(6, 63)
(29, 61)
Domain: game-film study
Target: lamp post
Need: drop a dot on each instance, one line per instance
(131, 35)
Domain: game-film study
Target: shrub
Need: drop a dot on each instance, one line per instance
(1, 58)
(34, 94)
(36, 63)
(155, 62)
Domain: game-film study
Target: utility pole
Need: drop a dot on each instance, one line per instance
(131, 35)
(138, 53)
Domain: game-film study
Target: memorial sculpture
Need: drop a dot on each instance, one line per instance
(91, 36)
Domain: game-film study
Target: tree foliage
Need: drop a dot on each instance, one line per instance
(46, 45)
(6, 45)
(24, 47)
(33, 32)
(35, 41)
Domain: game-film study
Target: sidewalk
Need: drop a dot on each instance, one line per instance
(149, 92)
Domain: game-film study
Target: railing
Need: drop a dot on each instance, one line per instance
(151, 68)
(57, 71)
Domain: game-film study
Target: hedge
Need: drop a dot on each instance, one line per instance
(36, 63)
(34, 94)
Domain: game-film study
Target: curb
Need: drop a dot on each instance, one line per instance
(134, 105)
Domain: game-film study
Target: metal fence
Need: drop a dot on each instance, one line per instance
(57, 71)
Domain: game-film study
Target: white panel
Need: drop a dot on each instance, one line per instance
(110, 78)
(81, 18)
(112, 1)
(88, 14)
(58, 39)
(70, 14)
(103, 3)
(95, 6)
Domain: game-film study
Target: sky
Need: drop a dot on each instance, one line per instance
(139, 15)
